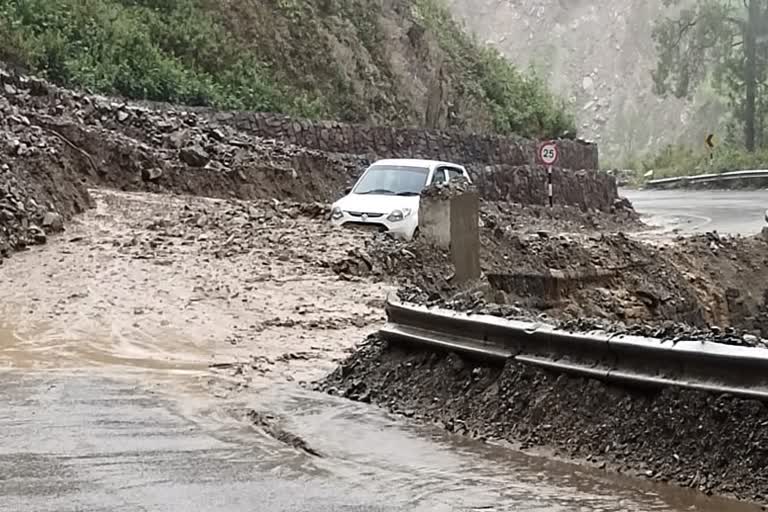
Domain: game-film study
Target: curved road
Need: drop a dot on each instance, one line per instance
(698, 211)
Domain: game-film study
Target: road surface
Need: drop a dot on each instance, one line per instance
(95, 442)
(698, 211)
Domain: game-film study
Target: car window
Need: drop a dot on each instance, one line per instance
(392, 180)
(438, 177)
(454, 173)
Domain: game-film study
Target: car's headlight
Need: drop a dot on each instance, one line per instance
(398, 215)
(336, 213)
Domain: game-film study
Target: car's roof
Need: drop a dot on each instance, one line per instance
(413, 162)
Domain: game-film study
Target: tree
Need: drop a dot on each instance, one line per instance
(725, 41)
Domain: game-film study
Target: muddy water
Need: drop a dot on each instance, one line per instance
(107, 401)
(445, 472)
(363, 449)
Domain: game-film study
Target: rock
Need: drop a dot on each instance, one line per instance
(194, 156)
(751, 340)
(272, 427)
(37, 234)
(178, 139)
(122, 116)
(152, 174)
(53, 222)
(217, 134)
(6, 215)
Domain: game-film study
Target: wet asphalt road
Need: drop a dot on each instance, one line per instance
(96, 444)
(92, 442)
(698, 211)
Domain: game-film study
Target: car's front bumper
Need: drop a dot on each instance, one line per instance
(401, 229)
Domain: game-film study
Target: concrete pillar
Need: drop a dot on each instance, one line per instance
(449, 220)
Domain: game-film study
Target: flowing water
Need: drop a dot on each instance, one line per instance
(144, 433)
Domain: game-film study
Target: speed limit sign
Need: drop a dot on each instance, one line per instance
(548, 154)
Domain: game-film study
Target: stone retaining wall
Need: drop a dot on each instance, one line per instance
(387, 142)
(527, 184)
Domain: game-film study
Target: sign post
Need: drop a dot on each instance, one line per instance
(548, 155)
(711, 145)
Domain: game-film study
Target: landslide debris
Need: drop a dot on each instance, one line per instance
(138, 148)
(708, 442)
(708, 288)
(40, 183)
(222, 229)
(703, 286)
(57, 143)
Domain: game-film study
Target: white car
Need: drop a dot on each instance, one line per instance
(386, 197)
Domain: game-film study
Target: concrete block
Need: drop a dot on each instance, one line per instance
(451, 222)
(465, 235)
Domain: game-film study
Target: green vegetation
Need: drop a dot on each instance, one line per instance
(163, 50)
(315, 58)
(718, 48)
(723, 43)
(681, 160)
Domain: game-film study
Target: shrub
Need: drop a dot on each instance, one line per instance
(168, 50)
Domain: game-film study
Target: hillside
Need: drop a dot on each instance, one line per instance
(398, 62)
(599, 55)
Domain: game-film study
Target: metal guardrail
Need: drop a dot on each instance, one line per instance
(635, 360)
(708, 178)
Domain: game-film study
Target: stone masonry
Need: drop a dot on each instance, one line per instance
(388, 142)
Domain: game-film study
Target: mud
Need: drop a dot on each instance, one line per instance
(173, 282)
(416, 262)
(714, 444)
(609, 280)
(707, 287)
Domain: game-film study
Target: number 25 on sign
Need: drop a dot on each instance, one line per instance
(548, 153)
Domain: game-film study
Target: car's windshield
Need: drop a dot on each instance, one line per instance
(393, 180)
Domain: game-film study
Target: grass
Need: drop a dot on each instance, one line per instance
(682, 160)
